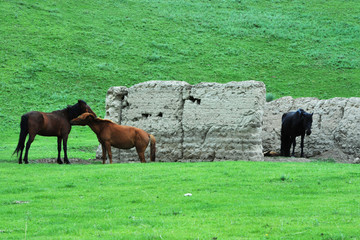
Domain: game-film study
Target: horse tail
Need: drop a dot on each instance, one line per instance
(24, 130)
(152, 148)
(285, 145)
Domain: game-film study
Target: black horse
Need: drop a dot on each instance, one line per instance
(56, 123)
(294, 124)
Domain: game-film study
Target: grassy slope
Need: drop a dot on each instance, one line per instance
(53, 53)
(230, 200)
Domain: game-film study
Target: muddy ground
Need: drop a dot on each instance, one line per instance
(99, 161)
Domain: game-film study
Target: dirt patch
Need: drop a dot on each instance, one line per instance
(313, 159)
(272, 156)
(72, 161)
(288, 159)
(266, 159)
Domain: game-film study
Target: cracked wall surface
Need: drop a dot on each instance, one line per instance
(203, 122)
(335, 129)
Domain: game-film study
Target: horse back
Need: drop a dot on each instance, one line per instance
(35, 121)
(120, 136)
(123, 136)
(291, 124)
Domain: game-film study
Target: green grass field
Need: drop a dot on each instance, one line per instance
(53, 53)
(230, 200)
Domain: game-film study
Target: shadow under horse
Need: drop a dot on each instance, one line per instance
(119, 136)
(56, 123)
(294, 124)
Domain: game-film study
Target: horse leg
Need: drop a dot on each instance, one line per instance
(28, 144)
(20, 158)
(21, 153)
(103, 153)
(108, 149)
(293, 141)
(285, 145)
(59, 150)
(66, 160)
(141, 152)
(302, 145)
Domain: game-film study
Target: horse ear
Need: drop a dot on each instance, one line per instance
(91, 116)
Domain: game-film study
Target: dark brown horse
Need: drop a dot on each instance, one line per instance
(56, 123)
(119, 136)
(294, 124)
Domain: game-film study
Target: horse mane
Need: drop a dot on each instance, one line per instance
(74, 110)
(104, 120)
(300, 110)
(303, 112)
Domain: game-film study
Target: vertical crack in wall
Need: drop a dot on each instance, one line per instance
(340, 134)
(205, 135)
(182, 105)
(123, 103)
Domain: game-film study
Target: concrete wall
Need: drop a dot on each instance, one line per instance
(203, 122)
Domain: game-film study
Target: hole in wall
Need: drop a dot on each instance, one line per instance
(195, 100)
(125, 104)
(146, 115)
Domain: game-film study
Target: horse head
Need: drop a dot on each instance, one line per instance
(85, 108)
(79, 108)
(307, 121)
(83, 120)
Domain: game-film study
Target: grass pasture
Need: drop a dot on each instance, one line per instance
(53, 53)
(230, 200)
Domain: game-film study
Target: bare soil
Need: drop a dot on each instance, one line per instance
(72, 161)
(97, 161)
(287, 159)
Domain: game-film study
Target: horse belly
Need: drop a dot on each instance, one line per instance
(122, 140)
(122, 144)
(52, 129)
(48, 133)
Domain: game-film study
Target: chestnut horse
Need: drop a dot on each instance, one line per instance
(56, 123)
(119, 136)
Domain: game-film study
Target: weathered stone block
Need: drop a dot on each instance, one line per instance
(205, 122)
(335, 129)
(223, 121)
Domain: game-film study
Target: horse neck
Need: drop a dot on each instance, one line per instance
(72, 111)
(63, 112)
(96, 126)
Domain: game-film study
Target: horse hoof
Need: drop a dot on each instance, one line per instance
(59, 162)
